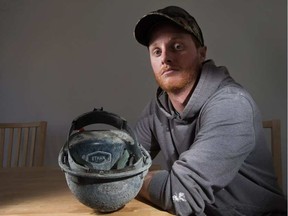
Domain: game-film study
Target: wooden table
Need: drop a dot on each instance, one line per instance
(43, 191)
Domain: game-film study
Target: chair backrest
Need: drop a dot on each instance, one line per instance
(22, 144)
(275, 127)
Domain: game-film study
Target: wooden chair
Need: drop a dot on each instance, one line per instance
(22, 144)
(275, 127)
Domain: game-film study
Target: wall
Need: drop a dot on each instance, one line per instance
(61, 58)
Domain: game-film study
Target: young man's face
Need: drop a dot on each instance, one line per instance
(175, 59)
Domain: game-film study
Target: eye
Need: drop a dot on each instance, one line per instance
(178, 46)
(156, 52)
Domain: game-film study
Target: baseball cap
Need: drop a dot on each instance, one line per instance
(172, 14)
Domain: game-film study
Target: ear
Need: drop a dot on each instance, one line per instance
(202, 51)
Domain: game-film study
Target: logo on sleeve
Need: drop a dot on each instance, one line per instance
(179, 198)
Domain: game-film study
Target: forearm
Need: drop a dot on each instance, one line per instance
(144, 191)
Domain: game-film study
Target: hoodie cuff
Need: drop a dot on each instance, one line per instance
(157, 187)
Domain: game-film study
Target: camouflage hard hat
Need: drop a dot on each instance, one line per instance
(173, 14)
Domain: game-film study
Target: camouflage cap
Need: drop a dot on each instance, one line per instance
(172, 14)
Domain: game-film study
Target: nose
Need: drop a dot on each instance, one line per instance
(166, 57)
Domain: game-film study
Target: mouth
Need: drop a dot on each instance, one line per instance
(168, 70)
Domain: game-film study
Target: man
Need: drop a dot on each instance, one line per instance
(207, 126)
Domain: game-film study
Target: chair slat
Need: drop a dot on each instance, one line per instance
(25, 146)
(275, 127)
(2, 139)
(41, 138)
(10, 146)
(18, 146)
(32, 147)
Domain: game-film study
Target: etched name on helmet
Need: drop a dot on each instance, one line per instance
(99, 157)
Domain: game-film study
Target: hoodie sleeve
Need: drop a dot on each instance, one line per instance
(143, 130)
(224, 140)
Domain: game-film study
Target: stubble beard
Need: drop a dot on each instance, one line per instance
(180, 82)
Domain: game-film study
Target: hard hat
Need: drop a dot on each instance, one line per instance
(104, 168)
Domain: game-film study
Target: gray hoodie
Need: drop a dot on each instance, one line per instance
(217, 158)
